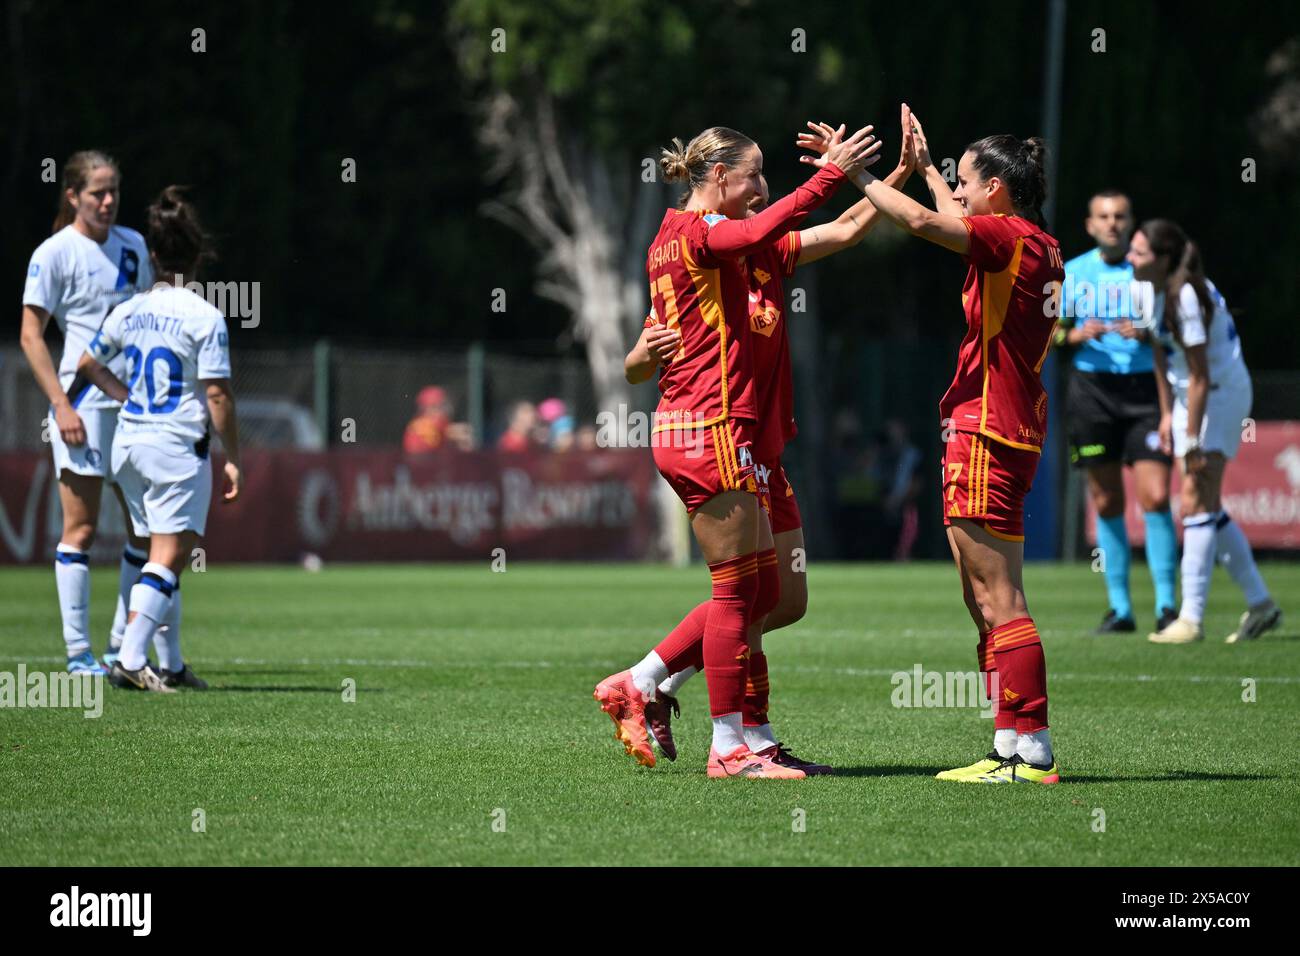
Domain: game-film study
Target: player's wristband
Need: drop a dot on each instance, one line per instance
(1193, 443)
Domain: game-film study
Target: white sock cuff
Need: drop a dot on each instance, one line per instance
(1203, 518)
(160, 571)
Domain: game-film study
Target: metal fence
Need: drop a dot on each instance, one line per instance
(307, 396)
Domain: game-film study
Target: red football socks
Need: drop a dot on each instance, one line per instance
(684, 647)
(1022, 673)
(726, 648)
(1004, 718)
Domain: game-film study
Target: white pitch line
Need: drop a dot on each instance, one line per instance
(606, 664)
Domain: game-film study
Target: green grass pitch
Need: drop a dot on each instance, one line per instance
(473, 708)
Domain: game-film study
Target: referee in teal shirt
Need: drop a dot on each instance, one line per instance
(1112, 411)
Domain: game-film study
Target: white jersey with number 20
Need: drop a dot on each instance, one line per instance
(171, 339)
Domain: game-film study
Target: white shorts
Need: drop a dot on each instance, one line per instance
(166, 492)
(92, 458)
(1221, 427)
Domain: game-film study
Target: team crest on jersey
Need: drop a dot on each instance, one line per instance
(128, 269)
(762, 277)
(1040, 407)
(93, 457)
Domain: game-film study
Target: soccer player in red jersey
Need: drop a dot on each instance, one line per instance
(995, 416)
(705, 423)
(781, 539)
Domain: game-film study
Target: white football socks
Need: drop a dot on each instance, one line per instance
(647, 674)
(150, 601)
(1035, 748)
(728, 733)
(760, 737)
(1198, 563)
(128, 572)
(1234, 552)
(673, 685)
(1004, 742)
(72, 579)
(167, 639)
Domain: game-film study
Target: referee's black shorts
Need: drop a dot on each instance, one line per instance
(1112, 417)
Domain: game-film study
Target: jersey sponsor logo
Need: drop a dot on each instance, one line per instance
(1029, 434)
(745, 457)
(93, 457)
(763, 319)
(1040, 408)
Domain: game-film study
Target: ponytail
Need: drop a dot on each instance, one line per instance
(691, 163)
(1185, 268)
(177, 240)
(1021, 164)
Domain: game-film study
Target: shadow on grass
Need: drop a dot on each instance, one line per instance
(1179, 776)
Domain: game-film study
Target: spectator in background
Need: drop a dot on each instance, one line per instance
(432, 427)
(897, 464)
(562, 437)
(519, 435)
(552, 414)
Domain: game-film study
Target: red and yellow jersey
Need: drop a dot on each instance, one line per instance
(769, 337)
(699, 285)
(711, 378)
(1011, 297)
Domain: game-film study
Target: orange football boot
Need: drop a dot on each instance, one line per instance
(741, 762)
(619, 698)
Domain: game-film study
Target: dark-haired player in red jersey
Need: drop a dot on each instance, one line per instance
(781, 529)
(995, 416)
(705, 423)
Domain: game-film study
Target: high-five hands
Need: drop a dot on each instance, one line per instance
(851, 155)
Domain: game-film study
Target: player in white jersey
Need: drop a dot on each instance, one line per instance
(1205, 397)
(83, 270)
(177, 355)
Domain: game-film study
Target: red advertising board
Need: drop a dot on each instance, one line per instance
(1261, 490)
(380, 505)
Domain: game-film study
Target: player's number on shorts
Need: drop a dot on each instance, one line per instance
(954, 474)
(136, 367)
(664, 286)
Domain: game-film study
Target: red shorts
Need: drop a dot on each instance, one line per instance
(986, 481)
(701, 463)
(782, 509)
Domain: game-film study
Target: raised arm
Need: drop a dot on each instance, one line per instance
(734, 238)
(940, 191)
(855, 222)
(943, 230)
